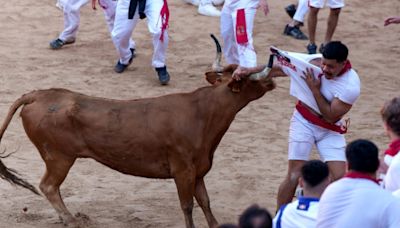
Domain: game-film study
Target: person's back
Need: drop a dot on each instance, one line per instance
(357, 200)
(303, 212)
(353, 202)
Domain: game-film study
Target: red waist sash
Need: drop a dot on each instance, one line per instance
(314, 119)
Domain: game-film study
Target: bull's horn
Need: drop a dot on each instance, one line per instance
(264, 73)
(260, 75)
(217, 67)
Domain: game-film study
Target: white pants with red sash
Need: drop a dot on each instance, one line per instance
(71, 10)
(123, 28)
(235, 53)
(304, 134)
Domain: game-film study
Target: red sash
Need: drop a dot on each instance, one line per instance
(241, 32)
(164, 19)
(355, 174)
(314, 119)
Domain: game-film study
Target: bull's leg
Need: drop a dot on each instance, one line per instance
(204, 202)
(56, 170)
(185, 183)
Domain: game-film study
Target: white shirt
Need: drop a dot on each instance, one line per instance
(300, 213)
(357, 202)
(345, 87)
(392, 177)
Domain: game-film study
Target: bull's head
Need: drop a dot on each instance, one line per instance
(259, 82)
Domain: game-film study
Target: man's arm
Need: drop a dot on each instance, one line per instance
(331, 112)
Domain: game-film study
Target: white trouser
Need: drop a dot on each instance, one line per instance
(123, 28)
(72, 17)
(303, 135)
(242, 54)
(333, 4)
(301, 10)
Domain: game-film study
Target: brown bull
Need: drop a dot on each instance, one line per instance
(173, 136)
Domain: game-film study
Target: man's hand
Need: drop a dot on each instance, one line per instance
(264, 6)
(392, 20)
(313, 83)
(240, 72)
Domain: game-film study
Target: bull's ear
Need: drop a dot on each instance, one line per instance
(213, 77)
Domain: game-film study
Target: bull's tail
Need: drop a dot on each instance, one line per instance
(7, 174)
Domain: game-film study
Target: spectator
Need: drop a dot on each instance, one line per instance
(303, 212)
(391, 119)
(357, 200)
(255, 217)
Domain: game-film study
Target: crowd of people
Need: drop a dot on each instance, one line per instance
(349, 177)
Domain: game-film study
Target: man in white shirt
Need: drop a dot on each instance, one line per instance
(325, 94)
(357, 200)
(302, 213)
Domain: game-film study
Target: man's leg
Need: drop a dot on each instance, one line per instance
(312, 26)
(332, 23)
(337, 169)
(288, 186)
(160, 44)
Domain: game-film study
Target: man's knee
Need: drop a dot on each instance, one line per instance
(313, 10)
(336, 11)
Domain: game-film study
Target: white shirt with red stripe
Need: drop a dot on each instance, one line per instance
(358, 202)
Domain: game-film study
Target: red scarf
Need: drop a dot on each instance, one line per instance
(164, 19)
(241, 31)
(394, 148)
(360, 175)
(347, 67)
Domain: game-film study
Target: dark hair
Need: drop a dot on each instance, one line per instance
(314, 172)
(335, 50)
(390, 113)
(362, 156)
(255, 217)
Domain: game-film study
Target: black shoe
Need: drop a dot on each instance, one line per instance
(290, 10)
(294, 32)
(321, 48)
(312, 49)
(119, 67)
(58, 43)
(163, 75)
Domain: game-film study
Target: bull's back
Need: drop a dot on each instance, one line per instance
(134, 137)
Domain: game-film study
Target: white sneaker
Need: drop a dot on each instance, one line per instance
(193, 2)
(217, 2)
(209, 10)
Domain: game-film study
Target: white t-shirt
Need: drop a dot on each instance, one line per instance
(392, 177)
(300, 213)
(357, 202)
(345, 87)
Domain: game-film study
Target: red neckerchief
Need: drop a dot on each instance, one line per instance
(164, 13)
(355, 174)
(347, 67)
(394, 148)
